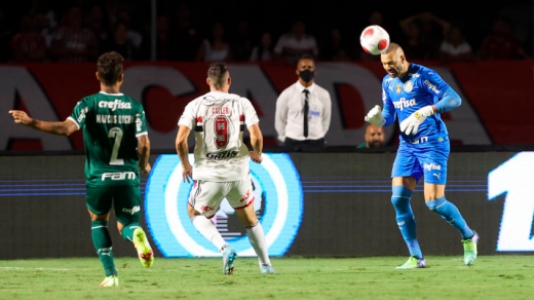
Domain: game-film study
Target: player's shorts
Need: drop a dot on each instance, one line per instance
(206, 196)
(125, 199)
(429, 161)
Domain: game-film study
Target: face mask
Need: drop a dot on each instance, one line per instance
(306, 75)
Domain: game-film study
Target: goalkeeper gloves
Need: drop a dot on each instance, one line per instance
(374, 116)
(411, 124)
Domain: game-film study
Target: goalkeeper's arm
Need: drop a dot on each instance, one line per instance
(448, 101)
(379, 117)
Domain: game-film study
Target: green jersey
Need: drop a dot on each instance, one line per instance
(111, 124)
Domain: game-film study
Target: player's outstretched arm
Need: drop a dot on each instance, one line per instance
(66, 127)
(374, 116)
(183, 150)
(256, 141)
(143, 148)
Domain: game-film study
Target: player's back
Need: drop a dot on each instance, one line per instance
(110, 130)
(220, 153)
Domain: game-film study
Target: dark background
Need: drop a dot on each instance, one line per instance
(348, 214)
(277, 16)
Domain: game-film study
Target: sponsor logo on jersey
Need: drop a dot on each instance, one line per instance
(210, 100)
(133, 210)
(408, 86)
(82, 115)
(222, 155)
(431, 167)
(420, 140)
(432, 86)
(114, 105)
(118, 175)
(404, 103)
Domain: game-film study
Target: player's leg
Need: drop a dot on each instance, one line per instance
(98, 201)
(127, 204)
(435, 168)
(406, 172)
(204, 201)
(241, 198)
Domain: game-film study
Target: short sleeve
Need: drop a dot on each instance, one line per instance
(251, 117)
(140, 123)
(79, 113)
(188, 117)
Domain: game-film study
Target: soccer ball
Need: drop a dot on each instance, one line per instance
(374, 39)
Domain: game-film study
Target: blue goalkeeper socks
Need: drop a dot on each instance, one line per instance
(405, 218)
(450, 213)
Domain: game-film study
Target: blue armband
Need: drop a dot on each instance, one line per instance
(450, 100)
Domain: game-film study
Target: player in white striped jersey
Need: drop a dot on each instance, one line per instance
(221, 169)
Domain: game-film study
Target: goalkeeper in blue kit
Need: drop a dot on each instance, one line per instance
(417, 95)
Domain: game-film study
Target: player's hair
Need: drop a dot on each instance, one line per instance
(217, 74)
(109, 66)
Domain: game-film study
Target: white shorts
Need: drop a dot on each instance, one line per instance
(206, 196)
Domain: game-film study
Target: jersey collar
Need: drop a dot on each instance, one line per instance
(108, 94)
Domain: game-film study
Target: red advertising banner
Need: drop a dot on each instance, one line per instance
(497, 98)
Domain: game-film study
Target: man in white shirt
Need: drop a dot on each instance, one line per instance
(291, 46)
(221, 169)
(303, 110)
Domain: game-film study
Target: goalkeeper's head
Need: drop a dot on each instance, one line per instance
(394, 61)
(110, 69)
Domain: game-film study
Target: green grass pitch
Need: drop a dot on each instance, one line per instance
(491, 277)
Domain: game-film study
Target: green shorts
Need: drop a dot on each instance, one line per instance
(125, 199)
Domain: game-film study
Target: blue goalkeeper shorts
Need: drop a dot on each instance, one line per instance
(428, 160)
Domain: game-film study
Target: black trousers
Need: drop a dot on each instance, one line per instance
(306, 145)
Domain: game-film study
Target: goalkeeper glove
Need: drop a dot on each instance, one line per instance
(374, 116)
(411, 124)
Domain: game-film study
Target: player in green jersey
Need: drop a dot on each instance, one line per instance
(117, 149)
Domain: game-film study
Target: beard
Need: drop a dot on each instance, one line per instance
(375, 144)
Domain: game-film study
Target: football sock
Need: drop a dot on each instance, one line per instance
(209, 231)
(450, 213)
(256, 237)
(128, 230)
(405, 218)
(102, 243)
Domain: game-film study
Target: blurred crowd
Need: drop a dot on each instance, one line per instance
(73, 31)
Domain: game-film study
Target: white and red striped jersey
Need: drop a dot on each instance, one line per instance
(218, 120)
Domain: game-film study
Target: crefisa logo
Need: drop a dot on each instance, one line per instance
(278, 203)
